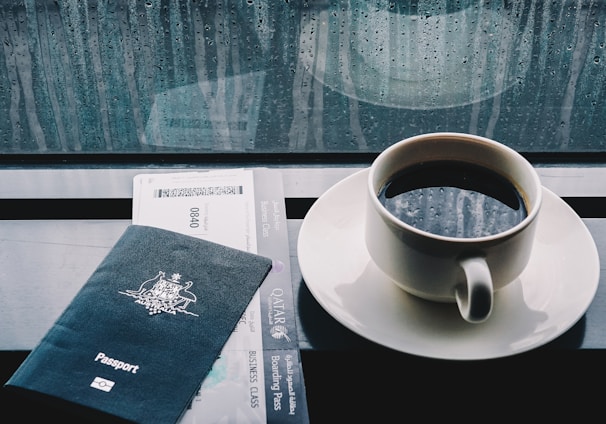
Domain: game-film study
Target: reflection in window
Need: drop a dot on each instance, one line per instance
(316, 76)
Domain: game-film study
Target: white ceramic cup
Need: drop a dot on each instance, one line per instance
(465, 270)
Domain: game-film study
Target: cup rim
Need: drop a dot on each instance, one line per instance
(532, 213)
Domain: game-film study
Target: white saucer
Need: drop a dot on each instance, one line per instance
(550, 296)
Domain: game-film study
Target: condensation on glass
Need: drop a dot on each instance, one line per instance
(299, 76)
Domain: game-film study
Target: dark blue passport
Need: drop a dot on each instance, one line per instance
(138, 339)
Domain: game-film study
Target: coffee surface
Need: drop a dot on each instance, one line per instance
(453, 199)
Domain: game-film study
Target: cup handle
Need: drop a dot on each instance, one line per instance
(475, 297)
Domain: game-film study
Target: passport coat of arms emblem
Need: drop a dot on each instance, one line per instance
(162, 294)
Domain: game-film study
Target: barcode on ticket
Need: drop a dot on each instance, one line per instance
(198, 191)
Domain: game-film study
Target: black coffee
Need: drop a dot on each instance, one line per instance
(454, 199)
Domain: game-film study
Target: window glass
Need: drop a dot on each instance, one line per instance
(299, 76)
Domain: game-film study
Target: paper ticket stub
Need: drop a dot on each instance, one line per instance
(214, 205)
(258, 377)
